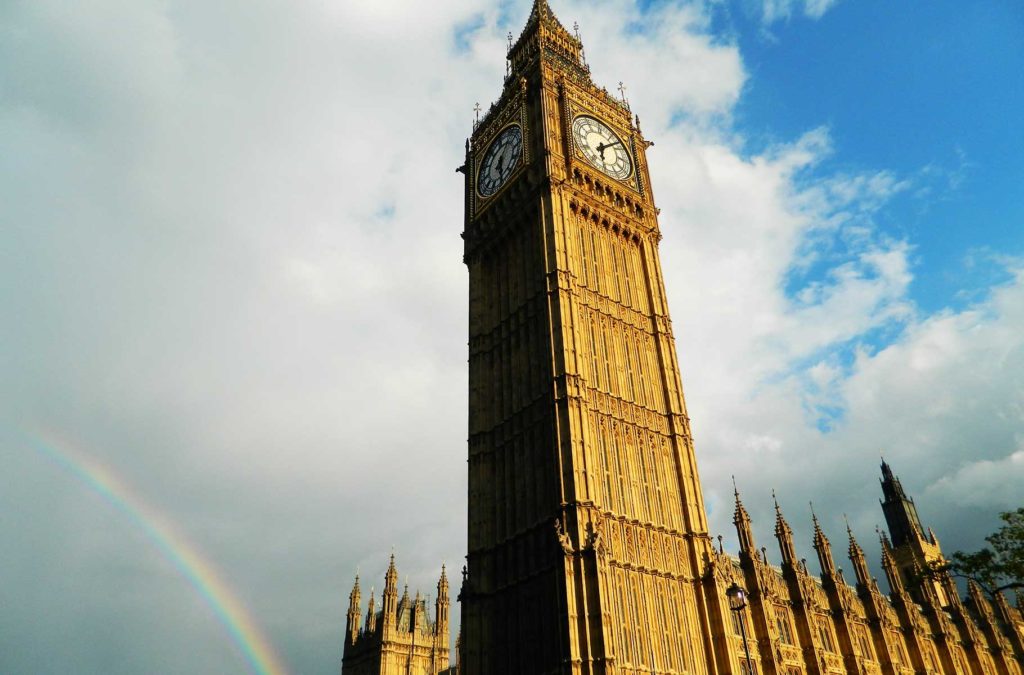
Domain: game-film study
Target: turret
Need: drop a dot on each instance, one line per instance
(917, 555)
(404, 607)
(892, 571)
(390, 600)
(441, 606)
(785, 536)
(899, 510)
(352, 622)
(371, 614)
(414, 619)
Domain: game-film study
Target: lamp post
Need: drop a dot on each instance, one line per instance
(737, 602)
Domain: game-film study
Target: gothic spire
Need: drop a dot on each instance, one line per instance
(899, 510)
(892, 572)
(542, 12)
(543, 35)
(391, 578)
(352, 623)
(442, 585)
(371, 612)
(354, 597)
(822, 547)
(741, 519)
(859, 560)
(785, 536)
(441, 604)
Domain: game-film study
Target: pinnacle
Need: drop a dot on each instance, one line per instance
(781, 526)
(541, 13)
(819, 535)
(883, 539)
(542, 9)
(741, 513)
(855, 549)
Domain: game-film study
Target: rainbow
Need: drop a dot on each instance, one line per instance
(200, 573)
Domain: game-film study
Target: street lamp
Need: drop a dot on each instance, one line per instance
(737, 602)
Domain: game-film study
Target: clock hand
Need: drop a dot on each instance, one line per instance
(601, 147)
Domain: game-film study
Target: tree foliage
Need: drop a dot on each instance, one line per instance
(1000, 565)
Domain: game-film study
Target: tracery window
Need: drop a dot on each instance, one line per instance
(782, 622)
(826, 635)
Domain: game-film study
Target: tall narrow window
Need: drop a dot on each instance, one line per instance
(582, 254)
(615, 266)
(782, 620)
(627, 358)
(605, 338)
(627, 296)
(826, 635)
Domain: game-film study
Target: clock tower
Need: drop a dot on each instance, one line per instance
(587, 530)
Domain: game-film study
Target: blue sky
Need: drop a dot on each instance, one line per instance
(932, 91)
(232, 257)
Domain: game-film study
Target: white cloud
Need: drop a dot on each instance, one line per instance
(991, 484)
(235, 276)
(776, 10)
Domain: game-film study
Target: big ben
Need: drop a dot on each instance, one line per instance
(587, 530)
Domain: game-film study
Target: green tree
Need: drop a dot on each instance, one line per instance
(999, 566)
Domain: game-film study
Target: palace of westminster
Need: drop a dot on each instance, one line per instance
(588, 549)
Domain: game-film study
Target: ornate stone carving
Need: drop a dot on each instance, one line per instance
(564, 540)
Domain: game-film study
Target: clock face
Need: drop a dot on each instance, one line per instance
(602, 147)
(500, 160)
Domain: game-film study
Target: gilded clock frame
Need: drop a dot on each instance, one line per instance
(509, 110)
(574, 108)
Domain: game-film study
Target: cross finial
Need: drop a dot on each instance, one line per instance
(510, 40)
(477, 109)
(576, 29)
(622, 91)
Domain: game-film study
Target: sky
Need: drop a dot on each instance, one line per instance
(233, 358)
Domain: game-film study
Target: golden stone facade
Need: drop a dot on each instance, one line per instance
(399, 638)
(798, 622)
(588, 550)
